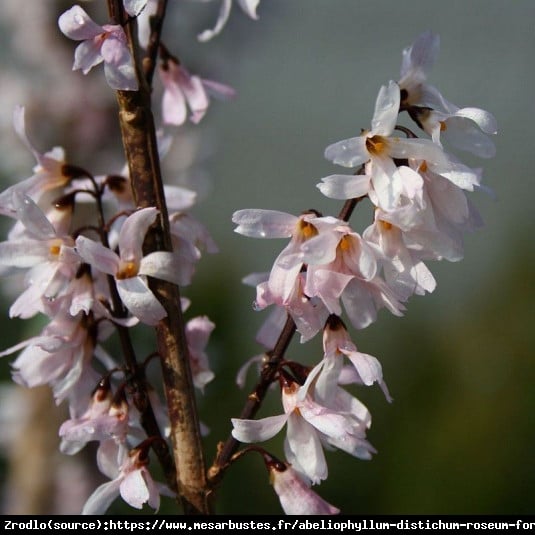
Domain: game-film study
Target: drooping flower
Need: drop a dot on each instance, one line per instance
(464, 128)
(130, 478)
(308, 425)
(50, 172)
(105, 418)
(294, 492)
(343, 269)
(198, 331)
(337, 343)
(284, 286)
(183, 90)
(99, 44)
(130, 268)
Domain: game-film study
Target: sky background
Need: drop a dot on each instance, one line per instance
(459, 436)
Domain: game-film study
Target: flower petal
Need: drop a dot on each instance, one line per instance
(76, 24)
(102, 498)
(257, 430)
(134, 490)
(141, 302)
(345, 186)
(386, 110)
(160, 265)
(96, 255)
(133, 233)
(257, 223)
(348, 152)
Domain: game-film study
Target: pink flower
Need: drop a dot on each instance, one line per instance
(308, 425)
(285, 285)
(183, 90)
(105, 418)
(198, 331)
(295, 494)
(189, 239)
(337, 343)
(49, 173)
(61, 356)
(377, 148)
(343, 268)
(99, 44)
(417, 60)
(130, 478)
(130, 268)
(36, 245)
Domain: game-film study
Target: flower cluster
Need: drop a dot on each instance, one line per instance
(88, 275)
(417, 190)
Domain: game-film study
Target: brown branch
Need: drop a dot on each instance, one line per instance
(139, 141)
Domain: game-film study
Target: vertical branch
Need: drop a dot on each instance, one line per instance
(139, 140)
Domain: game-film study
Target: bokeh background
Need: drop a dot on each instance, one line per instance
(460, 434)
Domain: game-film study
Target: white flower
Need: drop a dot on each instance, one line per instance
(130, 478)
(130, 268)
(377, 148)
(99, 44)
(295, 494)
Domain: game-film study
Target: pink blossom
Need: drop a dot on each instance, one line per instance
(294, 492)
(104, 418)
(198, 331)
(49, 173)
(130, 478)
(377, 148)
(61, 356)
(189, 238)
(183, 90)
(99, 44)
(343, 269)
(130, 268)
(337, 343)
(37, 246)
(308, 424)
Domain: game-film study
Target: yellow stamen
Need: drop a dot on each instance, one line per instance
(345, 243)
(55, 247)
(306, 230)
(376, 145)
(127, 270)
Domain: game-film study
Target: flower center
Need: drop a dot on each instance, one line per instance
(126, 270)
(376, 145)
(306, 230)
(55, 247)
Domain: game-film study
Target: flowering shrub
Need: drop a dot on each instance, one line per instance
(102, 272)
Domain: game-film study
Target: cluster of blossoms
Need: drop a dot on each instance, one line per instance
(79, 238)
(420, 213)
(85, 286)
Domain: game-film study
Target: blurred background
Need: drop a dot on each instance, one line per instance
(460, 434)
